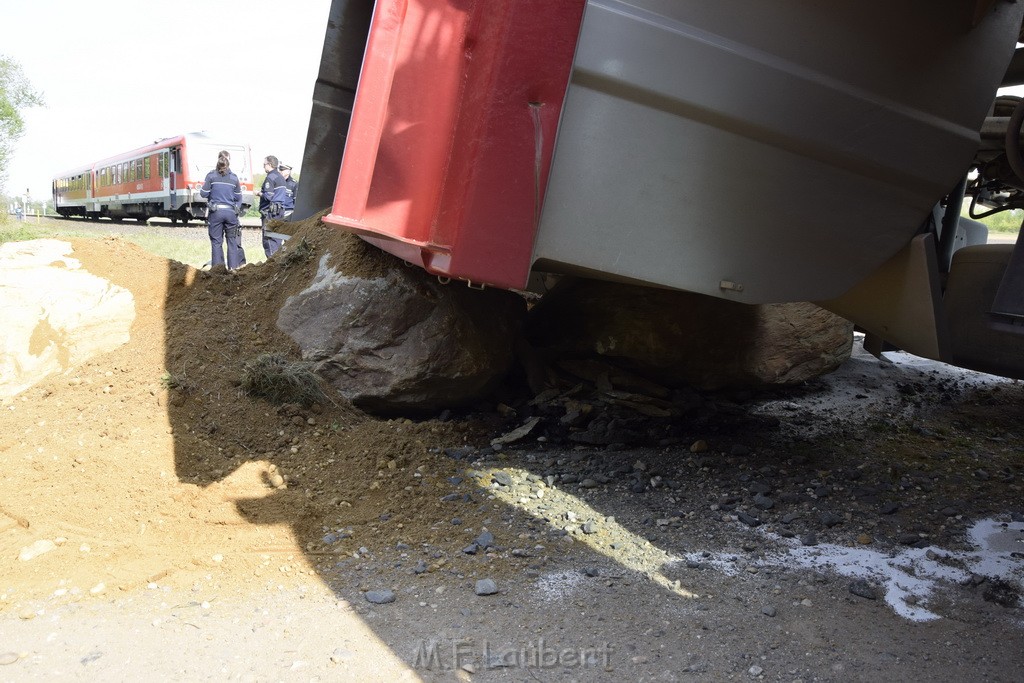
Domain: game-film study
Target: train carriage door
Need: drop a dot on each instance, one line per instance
(174, 171)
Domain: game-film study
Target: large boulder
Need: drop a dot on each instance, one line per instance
(393, 339)
(55, 315)
(685, 339)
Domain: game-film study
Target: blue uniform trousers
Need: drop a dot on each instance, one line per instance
(270, 244)
(224, 227)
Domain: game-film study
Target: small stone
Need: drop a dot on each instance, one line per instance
(748, 519)
(889, 508)
(98, 588)
(699, 446)
(589, 527)
(830, 519)
(502, 478)
(809, 539)
(380, 597)
(768, 611)
(341, 655)
(863, 589)
(908, 539)
(755, 670)
(43, 545)
(8, 658)
(864, 539)
(485, 540)
(486, 587)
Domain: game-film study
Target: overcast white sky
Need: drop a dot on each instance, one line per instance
(119, 74)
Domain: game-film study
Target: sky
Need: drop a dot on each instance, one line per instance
(120, 74)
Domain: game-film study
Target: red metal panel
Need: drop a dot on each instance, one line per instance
(453, 129)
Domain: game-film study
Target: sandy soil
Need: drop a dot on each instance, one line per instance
(832, 532)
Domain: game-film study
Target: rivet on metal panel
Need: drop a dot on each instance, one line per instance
(730, 286)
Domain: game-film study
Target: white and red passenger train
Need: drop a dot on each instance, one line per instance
(159, 180)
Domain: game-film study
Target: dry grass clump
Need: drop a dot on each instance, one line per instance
(279, 380)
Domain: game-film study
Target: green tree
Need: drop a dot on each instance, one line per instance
(16, 95)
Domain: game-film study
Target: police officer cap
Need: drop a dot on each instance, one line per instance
(284, 167)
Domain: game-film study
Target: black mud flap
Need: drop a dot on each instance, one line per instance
(348, 26)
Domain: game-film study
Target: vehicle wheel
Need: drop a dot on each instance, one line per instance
(174, 220)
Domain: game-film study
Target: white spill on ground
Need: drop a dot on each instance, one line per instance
(867, 387)
(910, 577)
(558, 586)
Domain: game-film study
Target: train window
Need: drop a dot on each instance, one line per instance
(145, 168)
(131, 171)
(162, 166)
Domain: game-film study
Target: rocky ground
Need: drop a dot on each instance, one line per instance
(157, 520)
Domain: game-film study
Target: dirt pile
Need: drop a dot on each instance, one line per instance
(134, 464)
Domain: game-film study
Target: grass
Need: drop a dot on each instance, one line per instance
(279, 380)
(1002, 222)
(155, 239)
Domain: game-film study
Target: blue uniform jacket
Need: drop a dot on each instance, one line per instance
(274, 190)
(222, 189)
(291, 184)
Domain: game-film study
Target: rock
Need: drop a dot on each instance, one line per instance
(393, 339)
(380, 597)
(8, 658)
(769, 611)
(486, 587)
(889, 508)
(864, 589)
(748, 519)
(485, 540)
(38, 548)
(681, 339)
(502, 478)
(830, 519)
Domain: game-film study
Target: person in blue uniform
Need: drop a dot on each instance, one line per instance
(273, 196)
(292, 185)
(223, 195)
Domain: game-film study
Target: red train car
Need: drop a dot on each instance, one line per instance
(159, 180)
